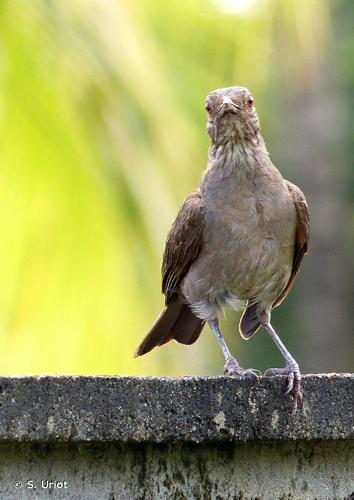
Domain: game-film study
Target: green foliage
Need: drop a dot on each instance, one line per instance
(102, 136)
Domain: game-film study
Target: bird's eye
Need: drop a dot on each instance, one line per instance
(208, 107)
(250, 101)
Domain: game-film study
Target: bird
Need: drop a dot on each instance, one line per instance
(238, 241)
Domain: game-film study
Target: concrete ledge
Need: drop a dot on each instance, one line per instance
(213, 438)
(166, 410)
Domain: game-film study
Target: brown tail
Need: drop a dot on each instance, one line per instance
(249, 323)
(177, 322)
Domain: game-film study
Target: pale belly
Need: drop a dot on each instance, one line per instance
(247, 257)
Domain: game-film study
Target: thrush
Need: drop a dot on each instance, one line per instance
(238, 241)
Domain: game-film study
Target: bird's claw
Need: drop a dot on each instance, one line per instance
(293, 383)
(233, 369)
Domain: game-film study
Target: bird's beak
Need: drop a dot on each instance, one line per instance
(229, 105)
(226, 101)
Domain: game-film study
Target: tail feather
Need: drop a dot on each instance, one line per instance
(187, 327)
(249, 323)
(177, 322)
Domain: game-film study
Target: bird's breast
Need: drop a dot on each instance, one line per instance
(249, 235)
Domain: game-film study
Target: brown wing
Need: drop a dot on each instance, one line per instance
(183, 244)
(301, 236)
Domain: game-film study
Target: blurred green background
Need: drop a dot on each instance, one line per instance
(102, 136)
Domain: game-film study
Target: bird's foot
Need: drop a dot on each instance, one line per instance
(293, 384)
(233, 369)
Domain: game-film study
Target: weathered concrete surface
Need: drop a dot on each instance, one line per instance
(190, 438)
(126, 409)
(225, 471)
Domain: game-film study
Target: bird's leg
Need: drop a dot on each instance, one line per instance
(291, 369)
(231, 365)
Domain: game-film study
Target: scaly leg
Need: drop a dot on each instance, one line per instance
(231, 365)
(291, 369)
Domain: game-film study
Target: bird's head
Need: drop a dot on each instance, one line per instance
(232, 116)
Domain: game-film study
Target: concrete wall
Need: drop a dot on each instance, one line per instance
(190, 438)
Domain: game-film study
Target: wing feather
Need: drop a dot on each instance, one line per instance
(302, 234)
(183, 244)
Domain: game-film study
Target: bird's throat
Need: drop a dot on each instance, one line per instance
(232, 156)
